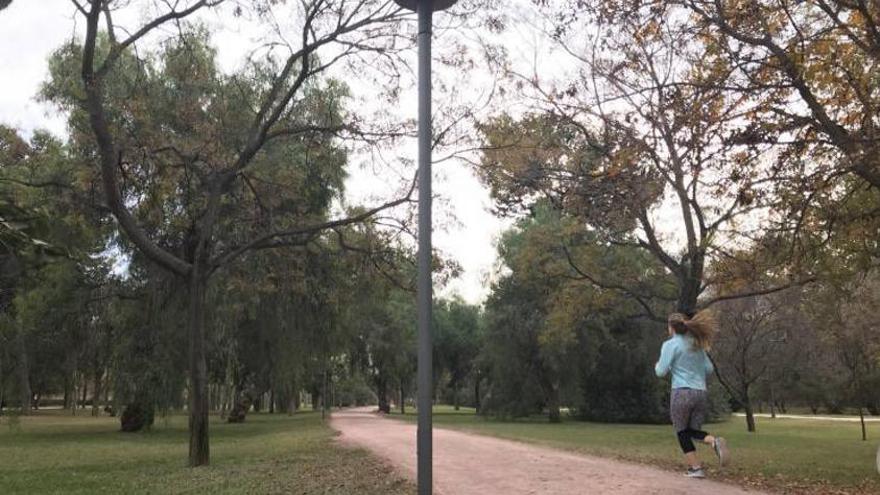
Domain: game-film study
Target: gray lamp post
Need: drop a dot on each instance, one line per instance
(424, 9)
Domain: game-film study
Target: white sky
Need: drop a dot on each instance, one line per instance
(29, 33)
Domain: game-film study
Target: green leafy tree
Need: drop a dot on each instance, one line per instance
(637, 140)
(456, 341)
(553, 338)
(177, 142)
(50, 236)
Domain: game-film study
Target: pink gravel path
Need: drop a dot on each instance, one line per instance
(466, 463)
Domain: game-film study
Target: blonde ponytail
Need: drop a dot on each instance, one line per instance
(702, 327)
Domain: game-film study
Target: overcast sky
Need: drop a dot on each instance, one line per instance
(28, 34)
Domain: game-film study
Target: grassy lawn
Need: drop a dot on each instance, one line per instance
(53, 452)
(789, 456)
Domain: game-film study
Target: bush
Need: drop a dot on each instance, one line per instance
(621, 387)
(239, 410)
(353, 391)
(137, 416)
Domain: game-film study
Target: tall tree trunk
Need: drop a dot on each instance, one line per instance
(747, 404)
(402, 399)
(690, 282)
(553, 406)
(67, 394)
(272, 400)
(455, 404)
(297, 399)
(550, 387)
(70, 379)
(772, 400)
(688, 293)
(199, 452)
(74, 393)
(2, 389)
(316, 399)
(382, 393)
(477, 393)
(862, 420)
(287, 400)
(325, 403)
(750, 415)
(24, 382)
(85, 392)
(107, 385)
(96, 394)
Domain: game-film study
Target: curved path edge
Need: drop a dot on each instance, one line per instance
(472, 464)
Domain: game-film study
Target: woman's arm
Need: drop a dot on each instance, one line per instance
(664, 364)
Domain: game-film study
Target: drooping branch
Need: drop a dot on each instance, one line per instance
(147, 28)
(638, 297)
(371, 255)
(274, 106)
(285, 237)
(850, 144)
(758, 292)
(278, 98)
(110, 157)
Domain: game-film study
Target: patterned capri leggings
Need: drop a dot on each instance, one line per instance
(688, 408)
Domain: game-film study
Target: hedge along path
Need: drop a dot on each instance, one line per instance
(466, 463)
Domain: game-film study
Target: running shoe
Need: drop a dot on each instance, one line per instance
(695, 473)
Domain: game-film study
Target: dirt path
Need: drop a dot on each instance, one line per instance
(474, 464)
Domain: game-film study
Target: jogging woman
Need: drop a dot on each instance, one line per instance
(684, 355)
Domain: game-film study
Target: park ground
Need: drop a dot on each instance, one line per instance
(53, 452)
(791, 456)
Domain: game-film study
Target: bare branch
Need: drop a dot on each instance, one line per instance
(282, 238)
(758, 292)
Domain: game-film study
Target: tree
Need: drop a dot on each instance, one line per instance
(639, 129)
(519, 383)
(852, 333)
(381, 321)
(148, 356)
(555, 339)
(191, 137)
(749, 345)
(812, 66)
(456, 334)
(49, 236)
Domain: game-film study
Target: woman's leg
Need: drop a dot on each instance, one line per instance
(682, 406)
(702, 436)
(699, 415)
(686, 441)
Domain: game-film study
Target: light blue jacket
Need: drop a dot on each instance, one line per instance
(689, 364)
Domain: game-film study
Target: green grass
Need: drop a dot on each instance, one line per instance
(53, 452)
(789, 456)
